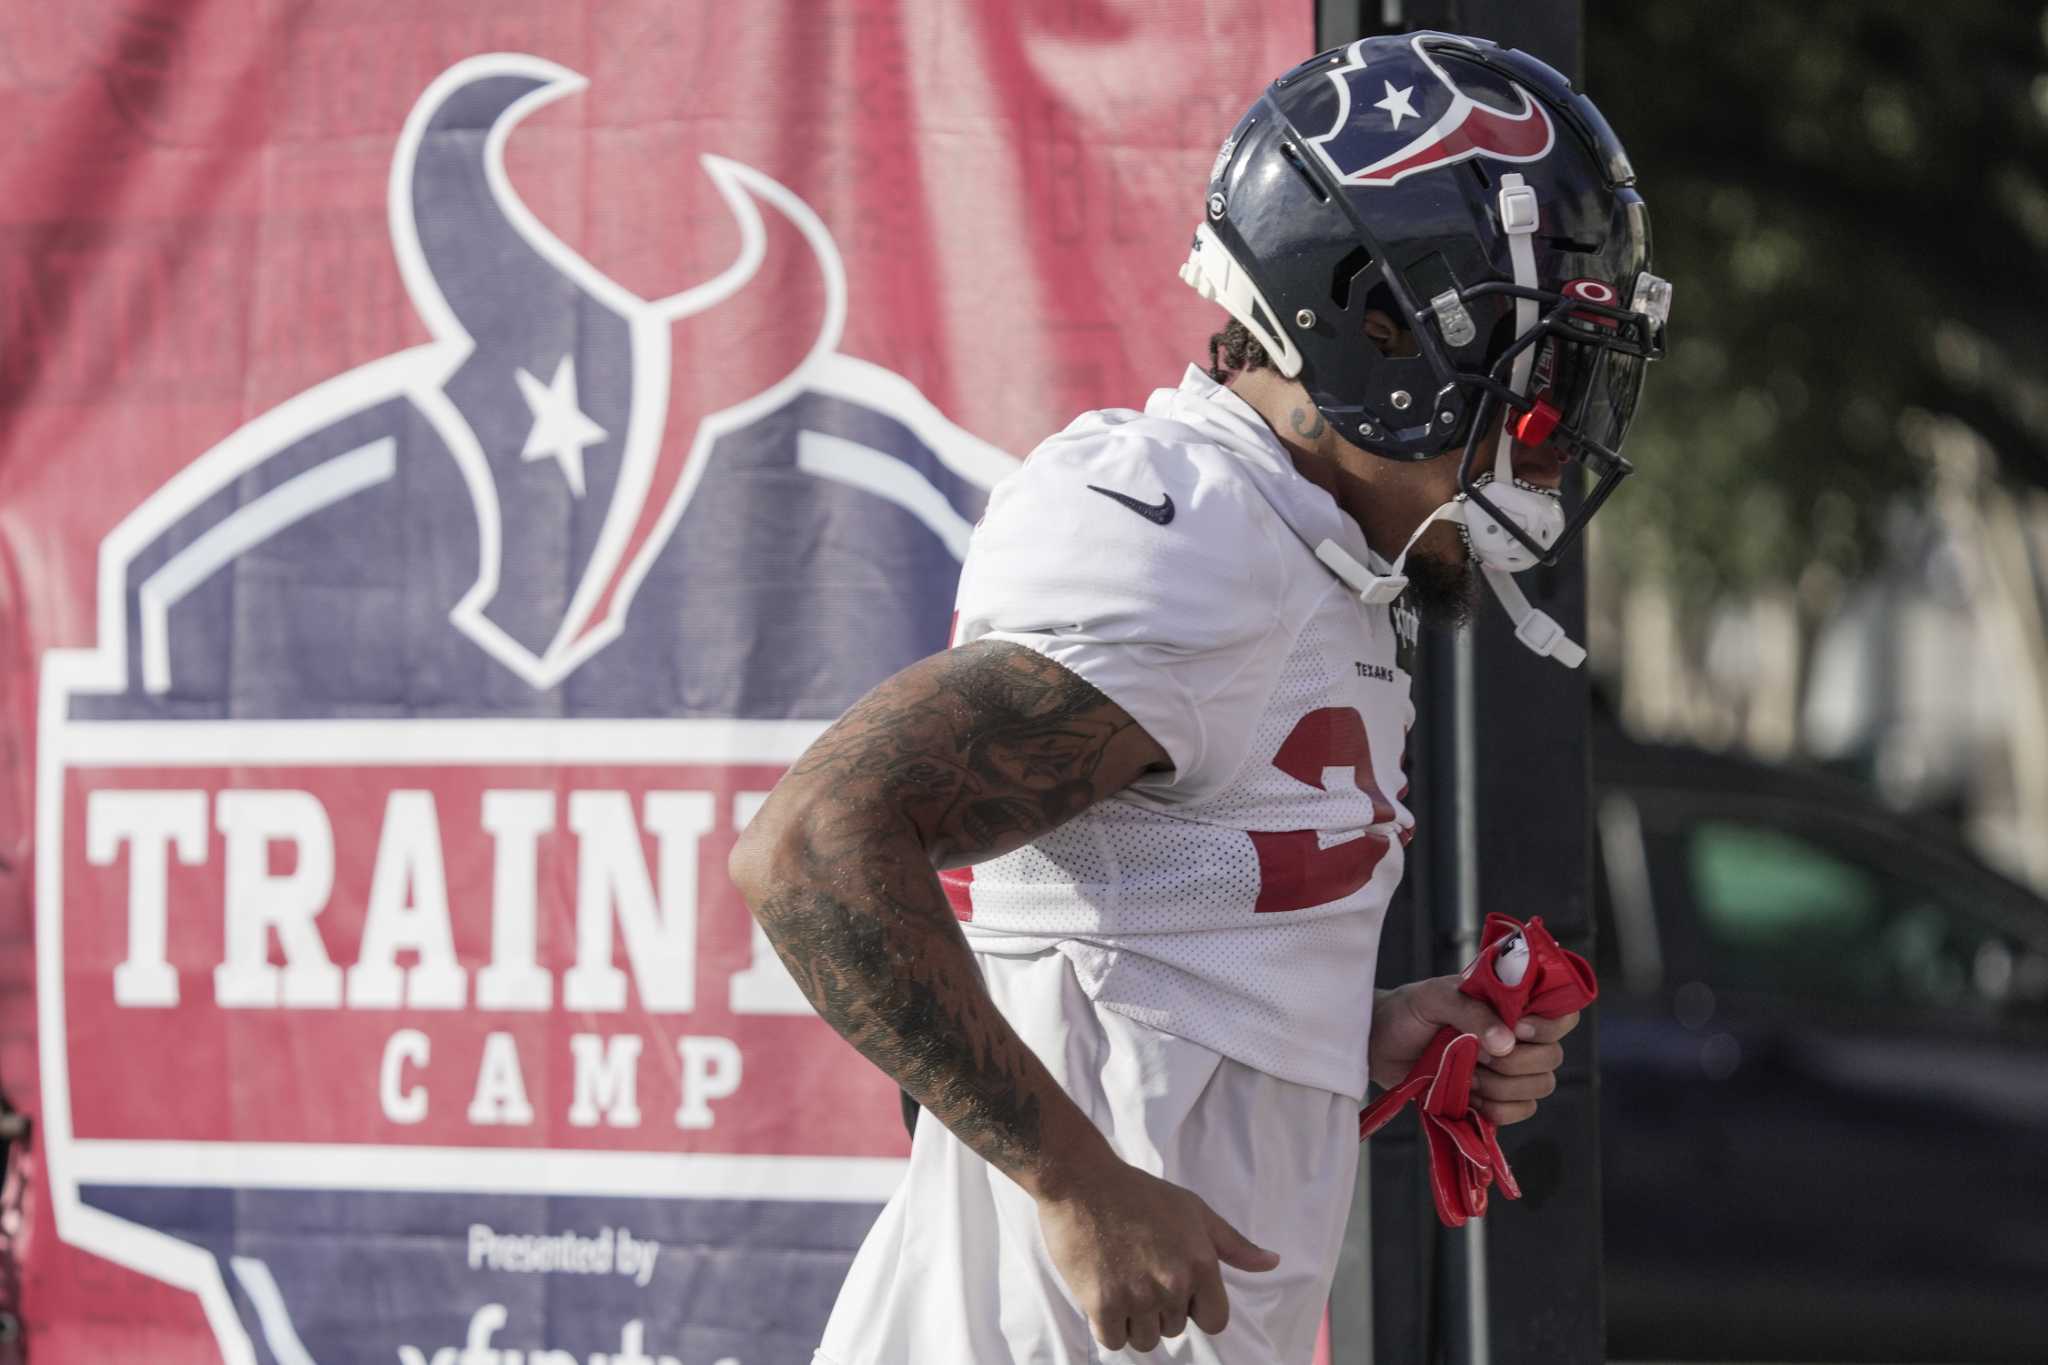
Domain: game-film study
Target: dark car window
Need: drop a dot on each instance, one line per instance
(1782, 913)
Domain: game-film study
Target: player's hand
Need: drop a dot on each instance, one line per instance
(1515, 1069)
(1144, 1256)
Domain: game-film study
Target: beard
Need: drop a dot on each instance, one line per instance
(1443, 592)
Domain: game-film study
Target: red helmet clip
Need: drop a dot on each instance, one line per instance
(1533, 427)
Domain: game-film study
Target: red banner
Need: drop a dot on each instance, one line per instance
(452, 458)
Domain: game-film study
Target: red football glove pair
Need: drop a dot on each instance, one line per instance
(1520, 971)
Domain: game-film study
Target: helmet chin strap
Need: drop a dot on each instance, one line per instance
(1538, 630)
(1535, 629)
(1538, 514)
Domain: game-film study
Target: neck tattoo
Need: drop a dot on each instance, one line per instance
(1304, 428)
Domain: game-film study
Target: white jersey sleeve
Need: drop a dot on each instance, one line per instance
(1144, 567)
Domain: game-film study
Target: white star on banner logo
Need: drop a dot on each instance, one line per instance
(1396, 103)
(560, 427)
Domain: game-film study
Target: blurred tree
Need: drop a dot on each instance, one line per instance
(1852, 196)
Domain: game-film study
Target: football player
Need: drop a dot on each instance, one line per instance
(1101, 887)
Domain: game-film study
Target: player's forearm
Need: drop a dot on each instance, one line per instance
(868, 936)
(958, 758)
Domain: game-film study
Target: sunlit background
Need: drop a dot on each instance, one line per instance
(1819, 634)
(1836, 547)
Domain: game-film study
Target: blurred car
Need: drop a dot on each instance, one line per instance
(1824, 1072)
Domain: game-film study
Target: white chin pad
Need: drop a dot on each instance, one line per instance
(1539, 515)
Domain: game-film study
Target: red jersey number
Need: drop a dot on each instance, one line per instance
(1295, 870)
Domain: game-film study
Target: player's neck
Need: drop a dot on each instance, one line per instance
(1320, 455)
(1301, 430)
(1386, 498)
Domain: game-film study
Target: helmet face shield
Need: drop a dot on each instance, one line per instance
(1590, 354)
(1607, 386)
(1594, 389)
(1599, 381)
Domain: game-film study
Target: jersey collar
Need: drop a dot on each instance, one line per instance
(1235, 425)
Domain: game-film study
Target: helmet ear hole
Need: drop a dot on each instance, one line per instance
(1382, 333)
(1385, 328)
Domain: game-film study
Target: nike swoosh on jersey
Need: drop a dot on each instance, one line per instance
(1158, 513)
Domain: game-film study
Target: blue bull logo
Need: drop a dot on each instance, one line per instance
(393, 999)
(524, 477)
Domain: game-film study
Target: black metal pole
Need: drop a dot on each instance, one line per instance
(1501, 786)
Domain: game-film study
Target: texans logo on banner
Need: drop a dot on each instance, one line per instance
(393, 997)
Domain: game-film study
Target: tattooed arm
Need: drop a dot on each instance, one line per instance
(966, 755)
(963, 756)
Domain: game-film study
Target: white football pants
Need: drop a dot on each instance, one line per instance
(955, 1271)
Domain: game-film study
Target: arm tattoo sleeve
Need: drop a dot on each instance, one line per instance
(966, 755)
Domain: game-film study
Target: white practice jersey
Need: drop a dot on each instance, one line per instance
(1168, 558)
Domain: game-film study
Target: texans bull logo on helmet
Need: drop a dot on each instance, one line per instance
(1444, 123)
(393, 999)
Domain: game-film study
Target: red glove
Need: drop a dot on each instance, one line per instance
(1464, 1151)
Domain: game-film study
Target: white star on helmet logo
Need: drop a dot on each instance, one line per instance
(1396, 103)
(560, 427)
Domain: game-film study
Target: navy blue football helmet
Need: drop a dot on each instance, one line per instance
(1467, 192)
